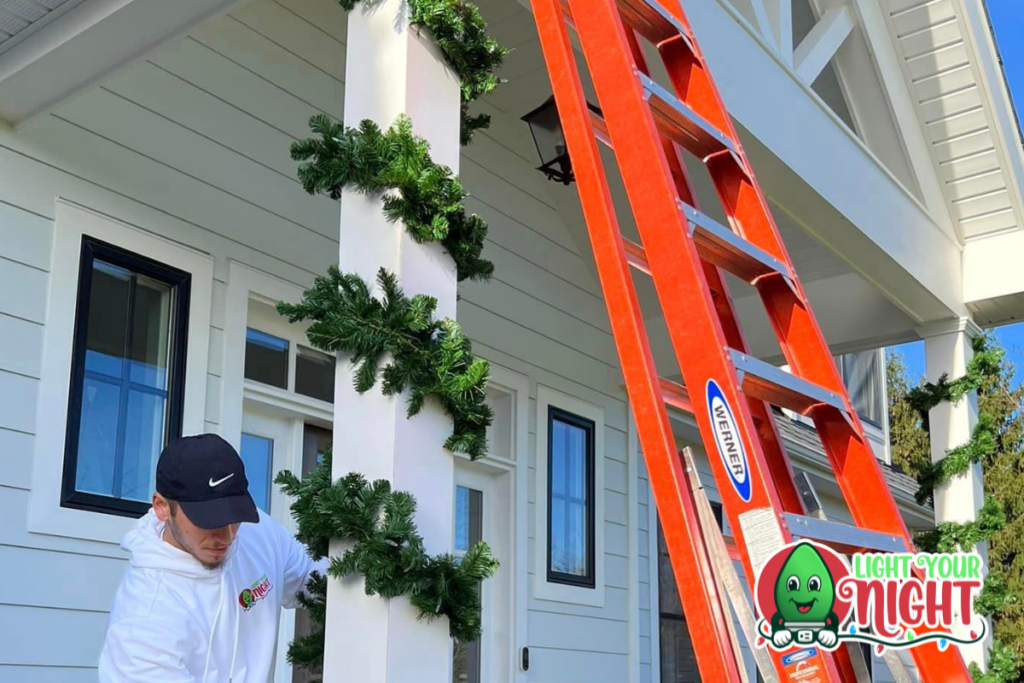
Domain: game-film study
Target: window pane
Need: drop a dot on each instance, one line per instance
(125, 410)
(97, 437)
(258, 456)
(144, 438)
(266, 358)
(466, 657)
(314, 374)
(570, 454)
(461, 519)
(108, 319)
(468, 518)
(150, 333)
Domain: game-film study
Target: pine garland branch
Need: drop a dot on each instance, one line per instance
(985, 365)
(385, 548)
(461, 34)
(395, 165)
(431, 358)
(950, 537)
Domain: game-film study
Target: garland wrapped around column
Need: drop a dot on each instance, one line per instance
(426, 357)
(963, 537)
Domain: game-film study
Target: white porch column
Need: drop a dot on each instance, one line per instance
(390, 70)
(947, 351)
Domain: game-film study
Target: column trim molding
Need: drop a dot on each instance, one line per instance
(951, 326)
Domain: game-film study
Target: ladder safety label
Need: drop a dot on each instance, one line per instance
(727, 437)
(762, 535)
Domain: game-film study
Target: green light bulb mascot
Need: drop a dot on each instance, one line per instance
(804, 596)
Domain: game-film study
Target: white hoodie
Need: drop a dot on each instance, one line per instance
(175, 621)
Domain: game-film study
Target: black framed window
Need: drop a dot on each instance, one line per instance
(127, 378)
(570, 499)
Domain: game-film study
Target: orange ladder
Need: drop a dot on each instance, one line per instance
(649, 126)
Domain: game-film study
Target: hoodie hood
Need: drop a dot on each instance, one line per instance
(149, 550)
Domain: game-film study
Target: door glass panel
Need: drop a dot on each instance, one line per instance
(468, 532)
(258, 455)
(315, 440)
(266, 358)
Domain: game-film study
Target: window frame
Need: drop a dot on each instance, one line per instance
(589, 579)
(94, 249)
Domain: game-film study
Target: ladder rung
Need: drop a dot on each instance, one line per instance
(675, 395)
(685, 126)
(653, 21)
(721, 246)
(776, 386)
(636, 256)
(842, 537)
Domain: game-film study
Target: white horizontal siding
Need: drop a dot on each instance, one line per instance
(191, 142)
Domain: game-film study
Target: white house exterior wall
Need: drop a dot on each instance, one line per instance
(191, 144)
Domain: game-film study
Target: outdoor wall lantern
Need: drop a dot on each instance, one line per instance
(546, 128)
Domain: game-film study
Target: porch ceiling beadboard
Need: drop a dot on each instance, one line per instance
(956, 104)
(20, 18)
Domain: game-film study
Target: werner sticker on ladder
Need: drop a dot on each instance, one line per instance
(727, 437)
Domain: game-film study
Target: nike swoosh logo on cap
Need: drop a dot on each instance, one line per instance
(220, 481)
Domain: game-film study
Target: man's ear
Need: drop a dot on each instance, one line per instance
(161, 507)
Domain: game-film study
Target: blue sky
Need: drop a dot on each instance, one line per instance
(1008, 22)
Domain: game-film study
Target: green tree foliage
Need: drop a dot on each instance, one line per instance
(998, 444)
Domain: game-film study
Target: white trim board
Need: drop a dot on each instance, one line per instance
(46, 515)
(542, 588)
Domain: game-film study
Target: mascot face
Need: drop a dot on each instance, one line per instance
(804, 591)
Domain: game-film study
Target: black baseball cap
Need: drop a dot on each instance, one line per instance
(207, 478)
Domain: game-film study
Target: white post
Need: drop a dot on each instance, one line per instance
(947, 351)
(392, 69)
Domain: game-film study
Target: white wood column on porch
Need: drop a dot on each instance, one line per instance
(948, 350)
(392, 69)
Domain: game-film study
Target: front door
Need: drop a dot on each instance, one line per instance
(483, 513)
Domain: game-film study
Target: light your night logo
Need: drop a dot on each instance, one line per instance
(807, 594)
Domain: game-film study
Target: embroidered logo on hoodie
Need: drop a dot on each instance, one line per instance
(250, 596)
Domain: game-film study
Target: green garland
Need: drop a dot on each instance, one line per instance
(983, 365)
(385, 548)
(948, 537)
(461, 34)
(432, 358)
(396, 165)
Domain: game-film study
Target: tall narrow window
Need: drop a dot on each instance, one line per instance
(127, 378)
(570, 499)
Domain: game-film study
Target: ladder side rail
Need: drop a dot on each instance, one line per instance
(857, 471)
(778, 462)
(687, 550)
(677, 270)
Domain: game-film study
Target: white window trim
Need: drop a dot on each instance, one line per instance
(518, 386)
(244, 283)
(542, 588)
(46, 516)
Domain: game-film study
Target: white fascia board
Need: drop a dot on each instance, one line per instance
(992, 267)
(86, 45)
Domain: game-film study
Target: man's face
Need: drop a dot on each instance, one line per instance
(209, 546)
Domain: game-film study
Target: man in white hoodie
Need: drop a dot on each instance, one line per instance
(207, 578)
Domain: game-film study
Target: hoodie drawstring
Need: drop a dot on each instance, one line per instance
(234, 652)
(213, 628)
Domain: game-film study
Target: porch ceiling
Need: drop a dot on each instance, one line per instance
(855, 311)
(947, 56)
